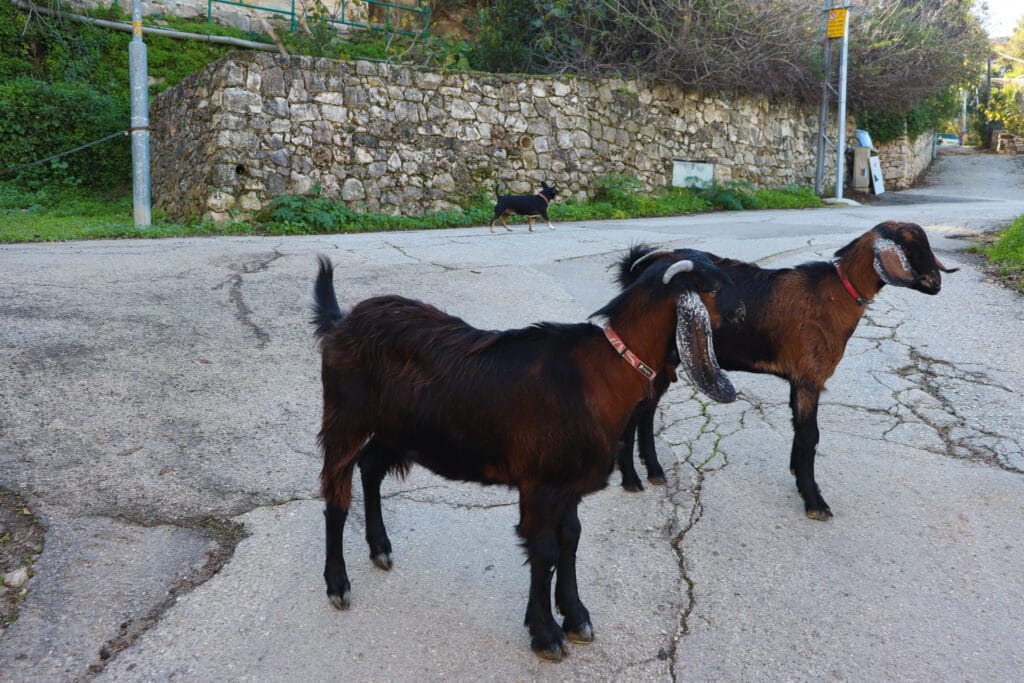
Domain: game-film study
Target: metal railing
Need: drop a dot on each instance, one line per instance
(377, 15)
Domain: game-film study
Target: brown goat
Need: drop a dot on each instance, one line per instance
(539, 408)
(797, 324)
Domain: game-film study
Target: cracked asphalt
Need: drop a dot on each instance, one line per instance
(159, 403)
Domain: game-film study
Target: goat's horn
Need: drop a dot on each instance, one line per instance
(649, 255)
(677, 267)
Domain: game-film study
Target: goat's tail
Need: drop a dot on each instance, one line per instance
(327, 314)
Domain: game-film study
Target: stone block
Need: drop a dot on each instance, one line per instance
(352, 190)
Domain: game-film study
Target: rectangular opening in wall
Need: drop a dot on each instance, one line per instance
(686, 173)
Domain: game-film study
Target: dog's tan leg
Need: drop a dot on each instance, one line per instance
(532, 219)
(551, 226)
(504, 224)
(492, 227)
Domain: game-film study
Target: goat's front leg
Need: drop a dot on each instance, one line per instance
(373, 465)
(577, 626)
(640, 428)
(645, 440)
(624, 453)
(538, 526)
(804, 403)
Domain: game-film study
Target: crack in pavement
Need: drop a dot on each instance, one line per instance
(225, 534)
(925, 376)
(243, 313)
(410, 495)
(961, 439)
(401, 250)
(676, 494)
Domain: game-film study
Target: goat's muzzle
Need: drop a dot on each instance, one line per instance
(929, 283)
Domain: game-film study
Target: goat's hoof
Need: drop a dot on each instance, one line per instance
(553, 652)
(342, 601)
(822, 515)
(657, 480)
(383, 560)
(632, 484)
(584, 635)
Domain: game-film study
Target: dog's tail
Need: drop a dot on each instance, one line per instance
(327, 314)
(496, 193)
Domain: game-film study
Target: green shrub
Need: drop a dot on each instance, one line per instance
(39, 119)
(617, 188)
(1006, 105)
(1008, 249)
(733, 196)
(1007, 252)
(886, 126)
(788, 197)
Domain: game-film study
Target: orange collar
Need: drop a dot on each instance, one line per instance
(627, 355)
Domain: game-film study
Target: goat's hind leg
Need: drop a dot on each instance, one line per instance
(804, 403)
(374, 461)
(538, 526)
(576, 626)
(339, 451)
(339, 589)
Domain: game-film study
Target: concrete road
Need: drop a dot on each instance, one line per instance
(159, 403)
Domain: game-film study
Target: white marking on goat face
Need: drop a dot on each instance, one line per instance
(891, 263)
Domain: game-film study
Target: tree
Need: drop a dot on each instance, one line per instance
(901, 51)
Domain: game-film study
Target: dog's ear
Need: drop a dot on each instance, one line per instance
(544, 184)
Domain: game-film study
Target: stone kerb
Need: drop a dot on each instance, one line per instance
(407, 140)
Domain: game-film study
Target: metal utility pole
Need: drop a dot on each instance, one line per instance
(138, 79)
(837, 27)
(963, 117)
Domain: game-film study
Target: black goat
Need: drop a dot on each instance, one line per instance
(797, 324)
(539, 408)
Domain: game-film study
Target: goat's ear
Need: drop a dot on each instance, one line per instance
(891, 263)
(696, 351)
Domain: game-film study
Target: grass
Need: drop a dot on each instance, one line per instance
(1007, 254)
(68, 213)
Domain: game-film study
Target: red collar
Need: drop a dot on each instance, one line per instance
(849, 287)
(544, 197)
(627, 355)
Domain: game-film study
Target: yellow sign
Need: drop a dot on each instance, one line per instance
(836, 23)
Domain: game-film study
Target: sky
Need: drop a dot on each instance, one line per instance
(1003, 16)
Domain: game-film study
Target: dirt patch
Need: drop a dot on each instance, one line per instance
(21, 540)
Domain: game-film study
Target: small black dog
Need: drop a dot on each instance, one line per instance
(531, 205)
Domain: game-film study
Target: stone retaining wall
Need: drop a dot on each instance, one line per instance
(407, 140)
(903, 160)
